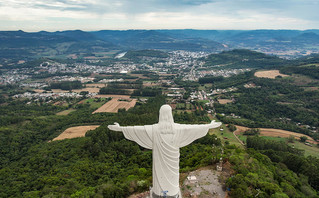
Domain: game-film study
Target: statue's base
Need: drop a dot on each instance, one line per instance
(153, 195)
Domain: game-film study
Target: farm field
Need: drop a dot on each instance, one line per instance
(112, 96)
(89, 89)
(38, 90)
(275, 133)
(65, 112)
(59, 91)
(115, 104)
(94, 102)
(74, 132)
(282, 135)
(269, 74)
(97, 85)
(184, 106)
(224, 101)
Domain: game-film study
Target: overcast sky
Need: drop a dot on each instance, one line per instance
(53, 15)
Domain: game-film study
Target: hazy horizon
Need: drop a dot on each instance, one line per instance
(94, 15)
(158, 29)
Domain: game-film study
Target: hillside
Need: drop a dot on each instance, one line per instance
(139, 54)
(153, 39)
(243, 59)
(24, 45)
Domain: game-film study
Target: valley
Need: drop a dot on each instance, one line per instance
(72, 100)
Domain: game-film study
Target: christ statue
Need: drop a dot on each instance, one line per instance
(165, 138)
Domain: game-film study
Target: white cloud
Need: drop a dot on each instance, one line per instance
(158, 14)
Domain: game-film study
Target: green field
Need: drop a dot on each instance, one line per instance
(95, 102)
(184, 106)
(314, 150)
(225, 135)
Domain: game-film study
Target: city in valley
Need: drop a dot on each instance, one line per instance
(57, 101)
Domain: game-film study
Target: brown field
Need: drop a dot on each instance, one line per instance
(89, 89)
(269, 74)
(224, 101)
(150, 84)
(275, 133)
(59, 91)
(60, 103)
(112, 96)
(74, 132)
(65, 112)
(96, 85)
(114, 105)
(38, 90)
(173, 106)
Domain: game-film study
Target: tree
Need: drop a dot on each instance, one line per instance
(291, 139)
(252, 132)
(303, 139)
(232, 127)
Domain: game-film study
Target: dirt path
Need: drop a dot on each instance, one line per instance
(241, 142)
(74, 132)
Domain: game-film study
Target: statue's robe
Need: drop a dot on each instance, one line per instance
(166, 153)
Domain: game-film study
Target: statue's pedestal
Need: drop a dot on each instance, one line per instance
(153, 195)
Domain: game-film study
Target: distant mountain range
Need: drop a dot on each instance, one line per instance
(20, 44)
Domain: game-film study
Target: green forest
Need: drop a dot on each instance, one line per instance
(242, 58)
(103, 164)
(271, 104)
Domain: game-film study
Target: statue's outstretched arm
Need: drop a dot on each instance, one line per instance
(214, 124)
(115, 127)
(191, 132)
(139, 134)
(211, 125)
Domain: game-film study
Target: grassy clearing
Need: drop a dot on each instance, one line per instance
(65, 112)
(225, 135)
(302, 80)
(184, 106)
(314, 150)
(205, 101)
(244, 138)
(95, 102)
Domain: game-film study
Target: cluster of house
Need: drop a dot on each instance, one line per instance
(220, 72)
(7, 79)
(72, 78)
(51, 96)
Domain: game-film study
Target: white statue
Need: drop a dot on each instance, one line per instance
(165, 139)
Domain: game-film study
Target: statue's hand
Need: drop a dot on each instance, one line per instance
(115, 127)
(214, 124)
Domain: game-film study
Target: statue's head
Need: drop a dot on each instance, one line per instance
(165, 115)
